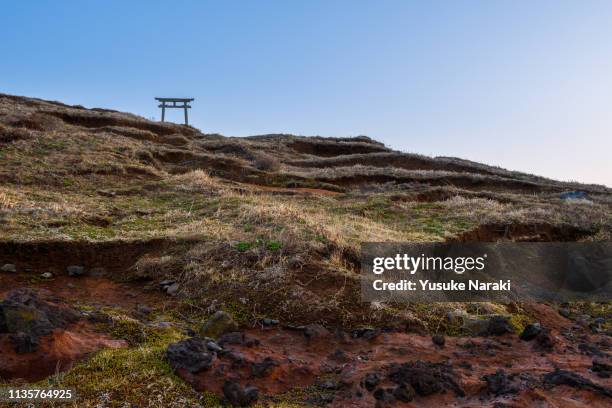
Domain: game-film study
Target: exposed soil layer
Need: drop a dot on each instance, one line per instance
(463, 181)
(329, 149)
(56, 256)
(524, 233)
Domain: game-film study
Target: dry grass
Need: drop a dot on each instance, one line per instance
(263, 161)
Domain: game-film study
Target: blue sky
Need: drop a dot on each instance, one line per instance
(526, 85)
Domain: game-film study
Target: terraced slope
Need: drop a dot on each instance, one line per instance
(171, 225)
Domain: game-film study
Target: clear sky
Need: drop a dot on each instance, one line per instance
(526, 85)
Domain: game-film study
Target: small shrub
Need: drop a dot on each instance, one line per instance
(265, 162)
(274, 245)
(244, 246)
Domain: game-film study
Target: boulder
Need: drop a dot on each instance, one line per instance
(27, 317)
(190, 354)
(218, 324)
(499, 325)
(531, 331)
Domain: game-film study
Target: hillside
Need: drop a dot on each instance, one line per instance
(171, 225)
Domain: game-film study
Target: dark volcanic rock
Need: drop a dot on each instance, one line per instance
(404, 393)
(499, 325)
(563, 377)
(27, 317)
(366, 333)
(564, 312)
(238, 396)
(384, 395)
(501, 384)
(425, 377)
(315, 331)
(231, 338)
(602, 368)
(190, 354)
(531, 331)
(544, 340)
(23, 343)
(370, 381)
(263, 368)
(438, 340)
(75, 270)
(269, 322)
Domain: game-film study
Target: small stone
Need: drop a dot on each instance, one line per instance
(269, 322)
(263, 368)
(340, 356)
(213, 346)
(9, 268)
(366, 333)
(237, 358)
(75, 270)
(46, 275)
(384, 395)
(173, 289)
(238, 396)
(370, 381)
(404, 393)
(218, 324)
(544, 340)
(500, 383)
(143, 309)
(315, 331)
(97, 272)
(531, 331)
(438, 340)
(564, 312)
(166, 282)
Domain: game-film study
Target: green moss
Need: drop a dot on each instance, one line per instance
(518, 321)
(137, 376)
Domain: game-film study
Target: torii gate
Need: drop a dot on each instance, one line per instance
(165, 103)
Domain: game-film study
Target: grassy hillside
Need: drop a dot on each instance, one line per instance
(263, 226)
